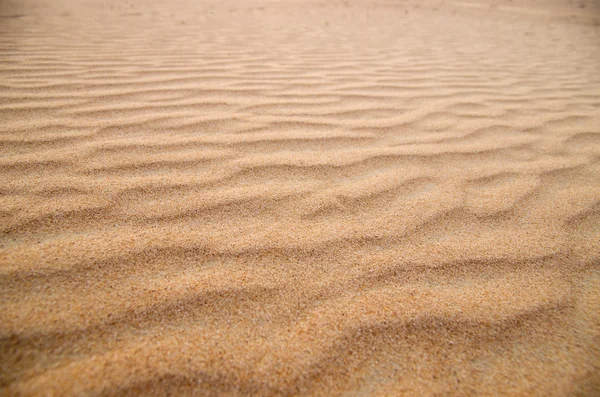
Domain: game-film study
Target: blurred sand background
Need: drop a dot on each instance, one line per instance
(300, 198)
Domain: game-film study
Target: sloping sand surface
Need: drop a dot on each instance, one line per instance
(300, 198)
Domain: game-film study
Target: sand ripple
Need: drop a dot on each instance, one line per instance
(299, 198)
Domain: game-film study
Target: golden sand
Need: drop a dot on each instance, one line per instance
(300, 198)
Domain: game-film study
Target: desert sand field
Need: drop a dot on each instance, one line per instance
(300, 198)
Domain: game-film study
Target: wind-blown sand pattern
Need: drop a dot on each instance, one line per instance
(300, 198)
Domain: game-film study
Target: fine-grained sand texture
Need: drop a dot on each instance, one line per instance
(394, 198)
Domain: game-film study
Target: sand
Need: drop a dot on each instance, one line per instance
(315, 198)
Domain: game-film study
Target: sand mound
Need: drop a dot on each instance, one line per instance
(299, 198)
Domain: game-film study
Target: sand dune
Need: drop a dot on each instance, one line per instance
(300, 198)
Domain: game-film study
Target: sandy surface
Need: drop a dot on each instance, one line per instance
(300, 198)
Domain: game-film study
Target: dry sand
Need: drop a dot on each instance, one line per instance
(300, 198)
